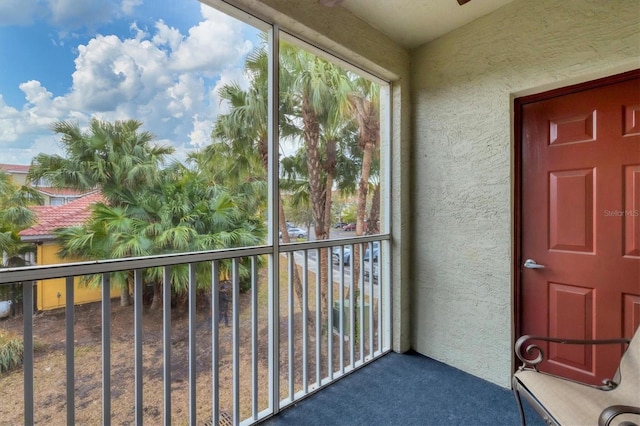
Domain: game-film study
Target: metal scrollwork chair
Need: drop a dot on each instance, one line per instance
(561, 401)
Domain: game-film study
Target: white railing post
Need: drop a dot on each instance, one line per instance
(27, 362)
(106, 349)
(70, 349)
(235, 301)
(305, 323)
(215, 342)
(318, 324)
(138, 336)
(254, 338)
(290, 325)
(166, 347)
(192, 343)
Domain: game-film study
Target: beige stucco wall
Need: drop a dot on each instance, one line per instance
(462, 90)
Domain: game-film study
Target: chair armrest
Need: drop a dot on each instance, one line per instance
(532, 354)
(609, 413)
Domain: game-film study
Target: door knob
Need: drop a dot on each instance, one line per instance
(531, 264)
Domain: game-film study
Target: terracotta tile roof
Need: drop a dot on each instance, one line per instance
(14, 168)
(47, 190)
(39, 211)
(50, 218)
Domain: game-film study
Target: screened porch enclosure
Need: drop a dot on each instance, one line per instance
(247, 292)
(272, 352)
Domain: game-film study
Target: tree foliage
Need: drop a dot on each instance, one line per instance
(218, 199)
(15, 216)
(149, 208)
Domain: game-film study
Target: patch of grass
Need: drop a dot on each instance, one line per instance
(11, 352)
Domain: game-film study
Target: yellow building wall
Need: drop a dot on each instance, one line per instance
(51, 294)
(19, 178)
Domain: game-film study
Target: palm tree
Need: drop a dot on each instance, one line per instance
(111, 232)
(194, 215)
(241, 136)
(116, 158)
(322, 105)
(320, 93)
(360, 100)
(183, 212)
(364, 103)
(15, 216)
(308, 88)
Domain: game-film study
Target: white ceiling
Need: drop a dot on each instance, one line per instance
(412, 23)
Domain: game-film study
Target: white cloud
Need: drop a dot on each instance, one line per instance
(9, 119)
(35, 94)
(140, 34)
(201, 134)
(167, 36)
(45, 144)
(164, 78)
(128, 6)
(185, 95)
(110, 71)
(211, 45)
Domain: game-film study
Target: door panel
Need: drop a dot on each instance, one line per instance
(631, 307)
(580, 210)
(571, 210)
(631, 217)
(571, 311)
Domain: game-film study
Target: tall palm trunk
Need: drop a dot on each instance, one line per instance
(125, 291)
(297, 282)
(363, 190)
(330, 169)
(363, 187)
(311, 135)
(263, 149)
(156, 302)
(374, 212)
(369, 128)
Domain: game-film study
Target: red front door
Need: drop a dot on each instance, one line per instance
(580, 214)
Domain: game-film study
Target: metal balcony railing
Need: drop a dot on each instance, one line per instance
(296, 329)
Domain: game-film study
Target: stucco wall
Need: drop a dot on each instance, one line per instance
(462, 90)
(47, 291)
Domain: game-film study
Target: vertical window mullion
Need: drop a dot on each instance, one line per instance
(274, 199)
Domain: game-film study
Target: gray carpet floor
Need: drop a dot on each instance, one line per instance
(407, 389)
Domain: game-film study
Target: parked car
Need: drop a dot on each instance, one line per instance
(297, 233)
(346, 255)
(376, 250)
(349, 227)
(339, 225)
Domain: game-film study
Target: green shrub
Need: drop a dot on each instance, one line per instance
(11, 352)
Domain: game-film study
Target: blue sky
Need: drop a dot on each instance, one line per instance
(157, 61)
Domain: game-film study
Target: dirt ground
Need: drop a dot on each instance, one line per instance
(50, 370)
